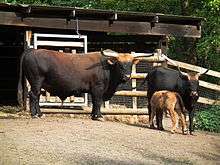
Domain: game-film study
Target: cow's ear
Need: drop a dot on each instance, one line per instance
(111, 61)
(136, 61)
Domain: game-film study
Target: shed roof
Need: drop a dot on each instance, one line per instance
(91, 15)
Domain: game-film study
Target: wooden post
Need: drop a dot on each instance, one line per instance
(134, 84)
(26, 85)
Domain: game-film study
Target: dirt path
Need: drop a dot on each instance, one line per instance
(61, 141)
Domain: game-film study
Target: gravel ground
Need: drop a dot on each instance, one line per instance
(59, 141)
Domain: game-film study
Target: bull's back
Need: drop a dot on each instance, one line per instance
(63, 73)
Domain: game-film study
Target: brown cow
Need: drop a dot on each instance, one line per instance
(168, 101)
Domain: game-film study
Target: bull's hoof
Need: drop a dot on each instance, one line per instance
(152, 127)
(98, 118)
(160, 128)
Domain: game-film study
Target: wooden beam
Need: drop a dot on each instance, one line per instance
(196, 68)
(104, 111)
(140, 28)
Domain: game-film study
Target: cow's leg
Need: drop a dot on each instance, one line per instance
(152, 115)
(159, 119)
(191, 117)
(149, 106)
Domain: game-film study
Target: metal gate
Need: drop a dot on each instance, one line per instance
(60, 42)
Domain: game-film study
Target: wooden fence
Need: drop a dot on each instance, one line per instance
(134, 94)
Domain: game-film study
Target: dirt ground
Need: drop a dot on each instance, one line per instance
(67, 141)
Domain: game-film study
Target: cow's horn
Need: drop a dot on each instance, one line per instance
(174, 63)
(199, 74)
(109, 53)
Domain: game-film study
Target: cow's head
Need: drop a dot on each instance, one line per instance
(193, 83)
(121, 62)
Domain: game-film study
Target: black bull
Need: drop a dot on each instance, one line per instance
(63, 75)
(187, 85)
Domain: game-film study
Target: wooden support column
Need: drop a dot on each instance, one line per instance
(134, 84)
(26, 85)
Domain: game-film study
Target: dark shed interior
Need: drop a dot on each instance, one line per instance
(11, 47)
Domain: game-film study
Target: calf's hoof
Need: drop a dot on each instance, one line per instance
(185, 132)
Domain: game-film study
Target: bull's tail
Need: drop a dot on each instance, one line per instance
(20, 84)
(20, 92)
(183, 109)
(145, 79)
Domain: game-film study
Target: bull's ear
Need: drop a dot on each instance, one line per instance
(136, 61)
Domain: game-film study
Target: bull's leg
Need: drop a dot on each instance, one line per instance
(96, 104)
(191, 116)
(32, 103)
(34, 98)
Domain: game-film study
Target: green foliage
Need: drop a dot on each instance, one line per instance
(208, 47)
(208, 119)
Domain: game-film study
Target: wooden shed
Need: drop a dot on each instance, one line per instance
(117, 30)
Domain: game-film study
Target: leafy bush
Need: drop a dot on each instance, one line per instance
(208, 119)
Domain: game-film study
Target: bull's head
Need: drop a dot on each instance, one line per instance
(193, 83)
(122, 62)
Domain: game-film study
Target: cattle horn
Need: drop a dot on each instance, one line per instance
(109, 53)
(172, 62)
(137, 55)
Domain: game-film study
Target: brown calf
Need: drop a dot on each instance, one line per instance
(168, 101)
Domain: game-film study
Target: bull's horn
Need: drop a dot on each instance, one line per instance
(109, 53)
(136, 55)
(172, 62)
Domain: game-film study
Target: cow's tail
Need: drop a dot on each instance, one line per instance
(20, 92)
(145, 79)
(183, 109)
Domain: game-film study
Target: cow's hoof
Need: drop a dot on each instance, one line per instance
(98, 118)
(35, 117)
(160, 128)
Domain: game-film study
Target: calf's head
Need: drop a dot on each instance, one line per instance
(121, 62)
